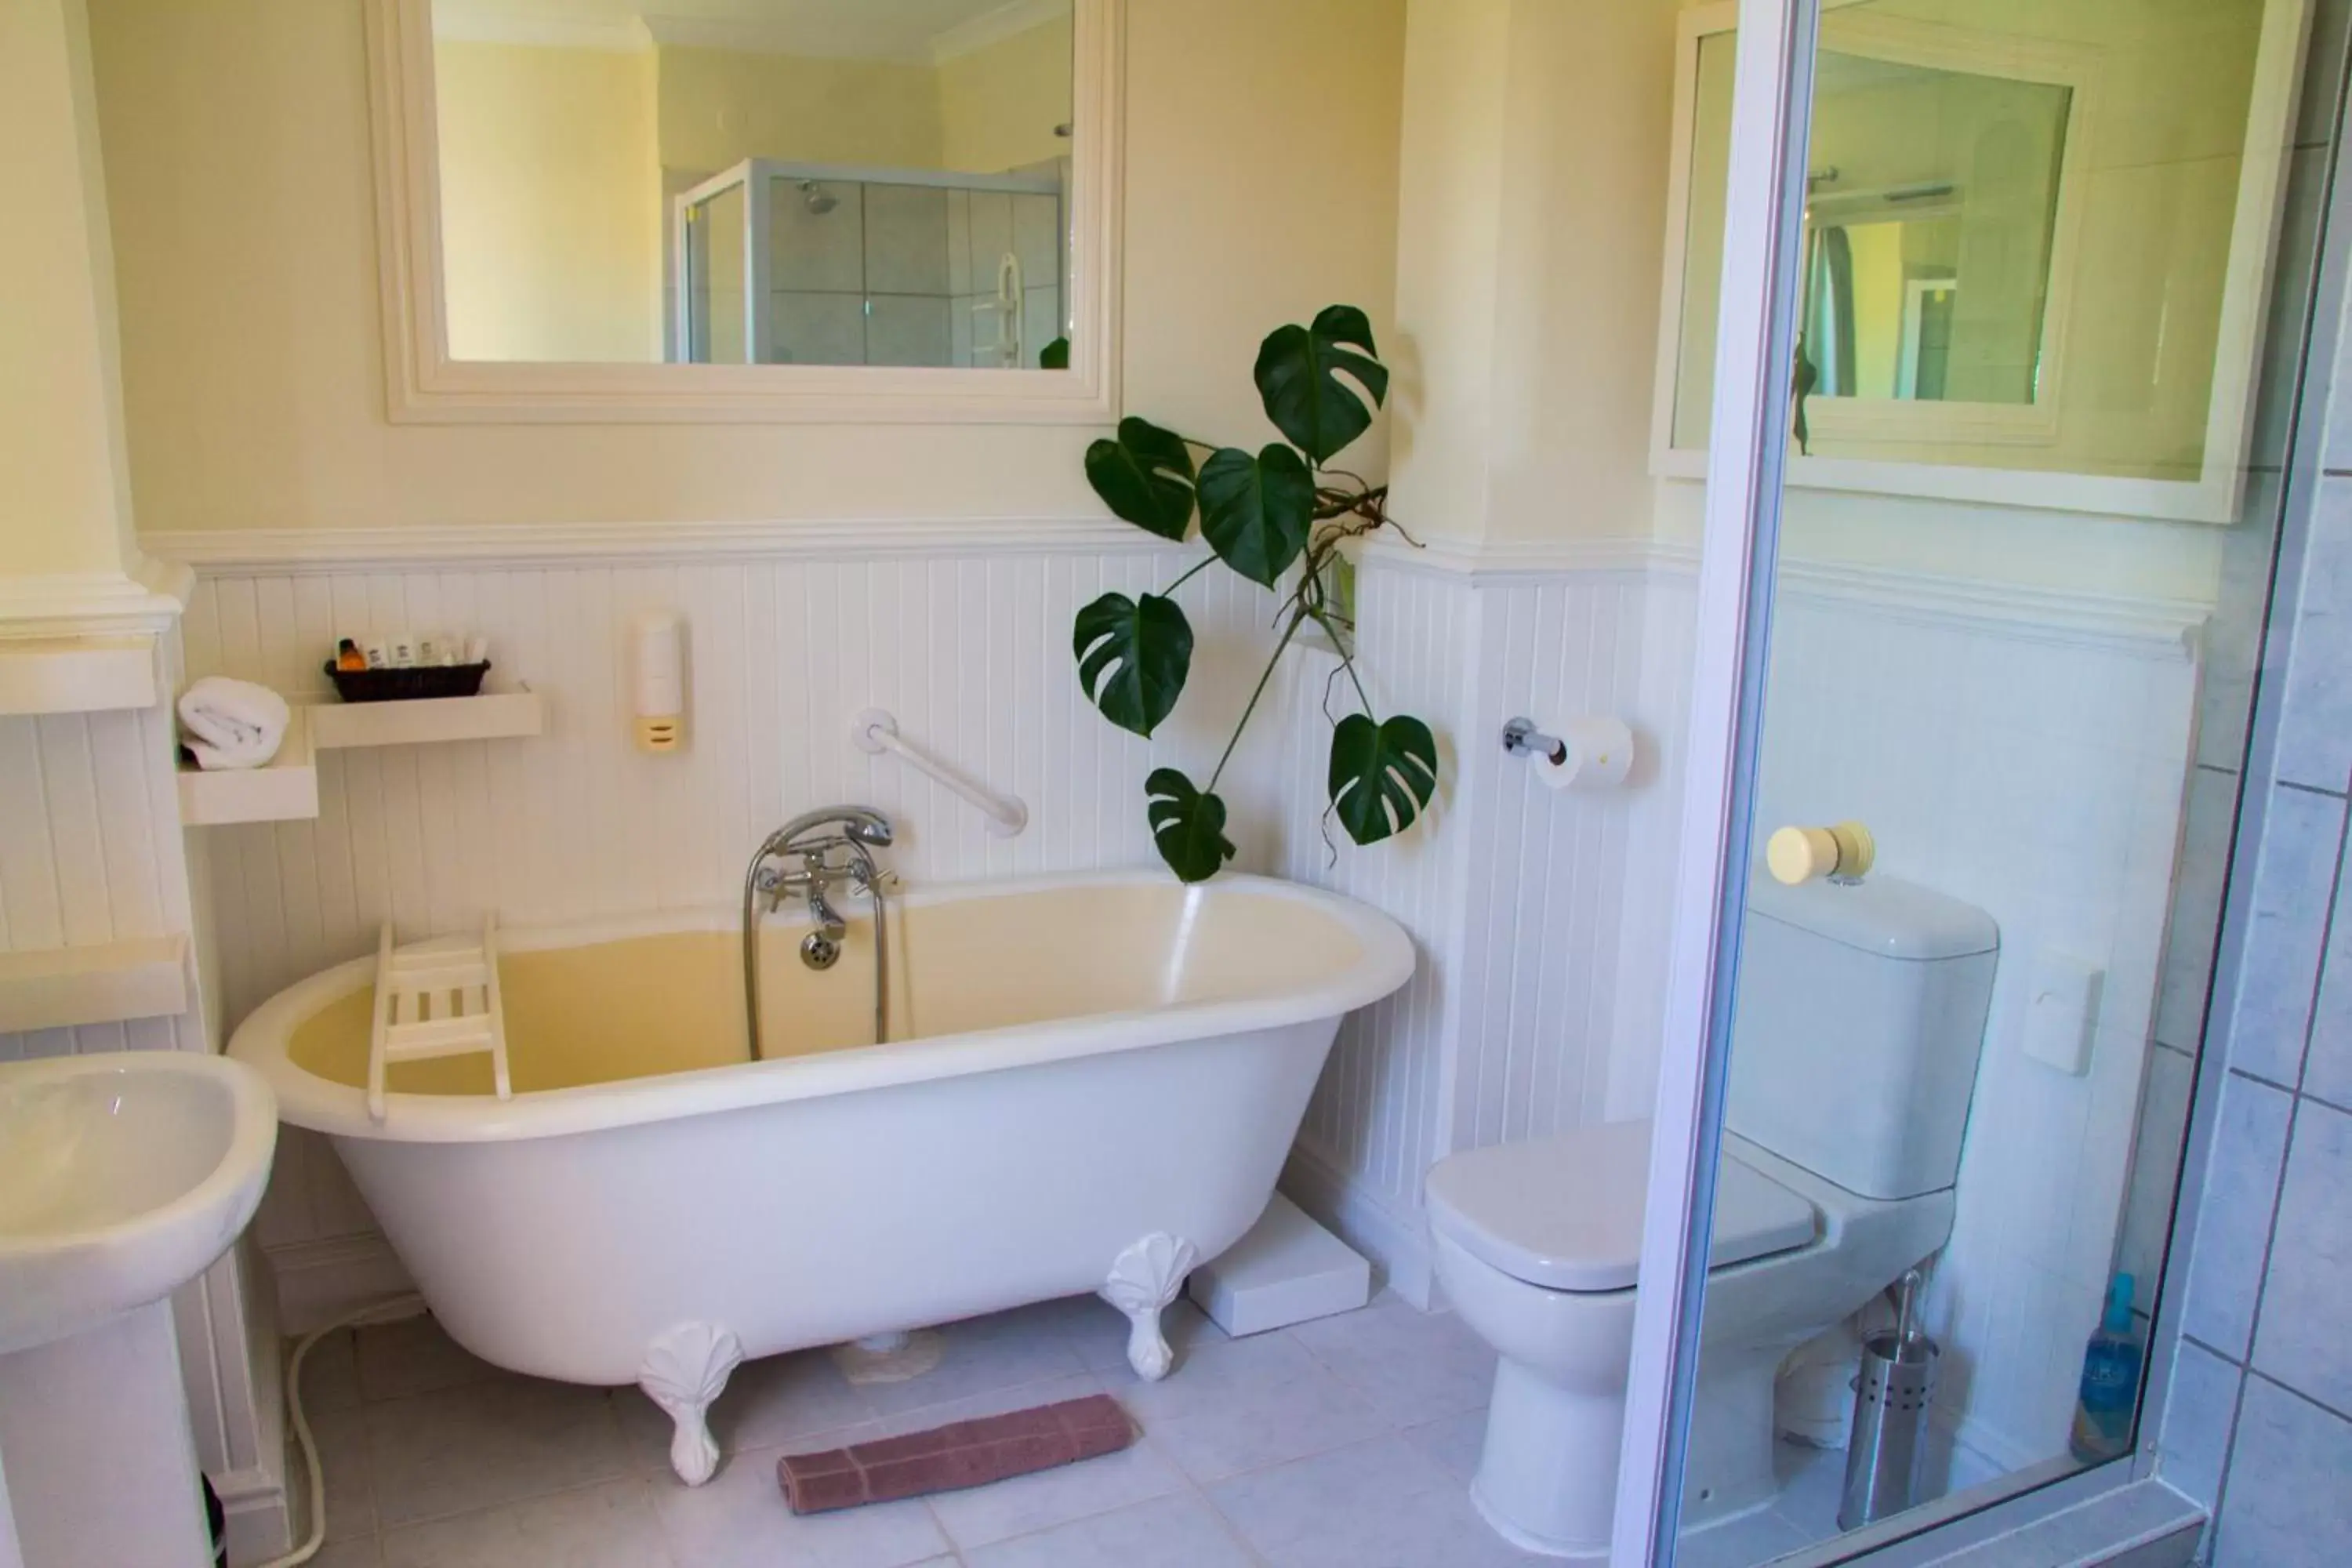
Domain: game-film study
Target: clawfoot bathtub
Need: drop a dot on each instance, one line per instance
(1092, 1084)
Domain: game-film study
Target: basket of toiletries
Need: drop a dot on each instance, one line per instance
(402, 668)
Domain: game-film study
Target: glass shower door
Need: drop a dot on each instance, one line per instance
(718, 308)
(1948, 880)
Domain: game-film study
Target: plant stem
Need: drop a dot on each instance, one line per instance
(1288, 632)
(1345, 662)
(1195, 570)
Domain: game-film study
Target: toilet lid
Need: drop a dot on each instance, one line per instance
(1566, 1213)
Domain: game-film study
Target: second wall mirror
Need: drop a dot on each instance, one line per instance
(1977, 319)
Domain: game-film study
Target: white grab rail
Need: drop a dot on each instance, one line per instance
(876, 731)
(436, 999)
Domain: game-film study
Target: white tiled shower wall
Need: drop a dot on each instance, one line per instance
(1540, 917)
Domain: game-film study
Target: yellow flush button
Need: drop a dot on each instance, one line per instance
(1796, 855)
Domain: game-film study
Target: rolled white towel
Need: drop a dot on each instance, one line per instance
(232, 724)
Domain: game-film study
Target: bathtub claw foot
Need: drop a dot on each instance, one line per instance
(1143, 1282)
(685, 1370)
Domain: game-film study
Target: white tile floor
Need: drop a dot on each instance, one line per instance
(1347, 1442)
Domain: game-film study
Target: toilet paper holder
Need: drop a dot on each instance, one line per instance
(1522, 739)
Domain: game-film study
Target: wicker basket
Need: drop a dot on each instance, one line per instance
(408, 685)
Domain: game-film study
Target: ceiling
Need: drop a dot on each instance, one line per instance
(915, 30)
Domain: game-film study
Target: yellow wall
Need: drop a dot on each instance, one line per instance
(999, 105)
(1530, 233)
(64, 492)
(719, 107)
(551, 203)
(236, 136)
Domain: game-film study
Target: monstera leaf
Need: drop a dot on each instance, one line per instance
(1256, 512)
(1381, 775)
(1188, 825)
(1055, 355)
(1298, 376)
(1145, 476)
(1133, 655)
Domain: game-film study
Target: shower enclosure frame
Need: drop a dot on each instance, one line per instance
(1746, 480)
(757, 176)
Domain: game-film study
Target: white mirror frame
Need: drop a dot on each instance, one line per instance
(2215, 496)
(424, 386)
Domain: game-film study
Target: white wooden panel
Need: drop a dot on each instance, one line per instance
(338, 726)
(90, 856)
(77, 675)
(98, 983)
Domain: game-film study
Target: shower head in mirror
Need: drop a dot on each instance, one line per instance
(819, 201)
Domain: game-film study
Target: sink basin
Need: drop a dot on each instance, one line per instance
(122, 1176)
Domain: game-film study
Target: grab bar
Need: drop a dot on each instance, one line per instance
(875, 731)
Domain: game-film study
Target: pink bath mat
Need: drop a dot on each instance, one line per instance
(960, 1454)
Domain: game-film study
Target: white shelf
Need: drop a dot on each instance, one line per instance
(77, 674)
(57, 987)
(494, 715)
(288, 789)
(285, 790)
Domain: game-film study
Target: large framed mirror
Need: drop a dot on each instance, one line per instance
(748, 210)
(1976, 322)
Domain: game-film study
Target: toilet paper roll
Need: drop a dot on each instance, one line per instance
(1595, 753)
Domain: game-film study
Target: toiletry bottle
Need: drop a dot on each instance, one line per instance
(2103, 1414)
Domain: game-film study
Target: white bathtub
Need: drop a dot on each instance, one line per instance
(1092, 1084)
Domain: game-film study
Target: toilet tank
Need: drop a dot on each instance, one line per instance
(1860, 1018)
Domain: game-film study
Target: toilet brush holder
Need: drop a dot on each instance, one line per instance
(1891, 1394)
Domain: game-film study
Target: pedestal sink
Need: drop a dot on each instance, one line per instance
(122, 1176)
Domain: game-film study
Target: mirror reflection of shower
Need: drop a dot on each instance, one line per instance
(785, 263)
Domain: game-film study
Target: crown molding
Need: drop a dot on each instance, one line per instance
(993, 27)
(462, 23)
(231, 551)
(101, 604)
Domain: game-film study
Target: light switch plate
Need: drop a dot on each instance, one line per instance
(2061, 1011)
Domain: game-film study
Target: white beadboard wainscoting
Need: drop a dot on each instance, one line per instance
(2031, 754)
(1540, 916)
(2026, 751)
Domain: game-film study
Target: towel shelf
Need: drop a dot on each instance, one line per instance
(284, 790)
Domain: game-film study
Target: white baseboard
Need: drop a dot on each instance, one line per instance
(318, 1281)
(260, 1513)
(1397, 1243)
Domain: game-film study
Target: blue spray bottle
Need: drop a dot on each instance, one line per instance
(2103, 1413)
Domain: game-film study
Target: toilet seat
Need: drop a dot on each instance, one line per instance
(1565, 1213)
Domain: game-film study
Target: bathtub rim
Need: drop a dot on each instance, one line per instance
(322, 1105)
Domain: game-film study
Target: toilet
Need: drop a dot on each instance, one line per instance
(1861, 1016)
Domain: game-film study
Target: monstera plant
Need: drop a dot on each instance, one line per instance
(1277, 516)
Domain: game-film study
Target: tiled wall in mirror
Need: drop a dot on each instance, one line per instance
(755, 182)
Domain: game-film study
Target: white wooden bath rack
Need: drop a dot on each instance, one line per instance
(436, 999)
(876, 731)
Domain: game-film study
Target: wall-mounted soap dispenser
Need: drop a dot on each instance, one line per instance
(657, 664)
